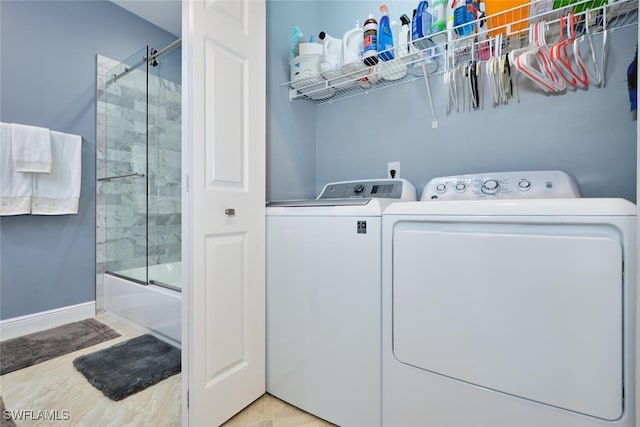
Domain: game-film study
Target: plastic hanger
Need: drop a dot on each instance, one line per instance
(596, 69)
(543, 57)
(561, 58)
(524, 59)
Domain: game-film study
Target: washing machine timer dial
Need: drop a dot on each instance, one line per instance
(358, 188)
(524, 184)
(490, 186)
(441, 188)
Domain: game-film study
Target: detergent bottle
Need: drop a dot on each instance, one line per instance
(464, 13)
(421, 26)
(332, 52)
(385, 36)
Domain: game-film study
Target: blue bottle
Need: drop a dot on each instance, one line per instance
(421, 27)
(463, 16)
(385, 36)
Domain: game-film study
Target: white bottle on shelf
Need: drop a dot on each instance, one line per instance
(352, 45)
(332, 52)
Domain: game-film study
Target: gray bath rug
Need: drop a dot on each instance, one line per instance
(5, 417)
(129, 367)
(27, 350)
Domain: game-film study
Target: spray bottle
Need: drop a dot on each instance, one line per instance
(404, 37)
(385, 36)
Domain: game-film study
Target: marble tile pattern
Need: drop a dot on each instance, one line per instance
(56, 386)
(122, 238)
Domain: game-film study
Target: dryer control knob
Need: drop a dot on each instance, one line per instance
(358, 188)
(524, 184)
(460, 187)
(490, 186)
(441, 188)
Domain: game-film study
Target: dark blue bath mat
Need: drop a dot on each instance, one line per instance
(129, 367)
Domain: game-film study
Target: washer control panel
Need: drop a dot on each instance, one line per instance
(400, 189)
(502, 185)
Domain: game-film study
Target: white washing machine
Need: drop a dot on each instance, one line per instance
(323, 299)
(508, 301)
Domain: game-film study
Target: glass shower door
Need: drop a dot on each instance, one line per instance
(164, 169)
(125, 187)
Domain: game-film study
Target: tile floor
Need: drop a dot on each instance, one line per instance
(55, 385)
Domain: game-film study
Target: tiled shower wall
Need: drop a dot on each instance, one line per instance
(121, 206)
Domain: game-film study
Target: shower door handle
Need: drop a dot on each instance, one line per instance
(230, 212)
(128, 175)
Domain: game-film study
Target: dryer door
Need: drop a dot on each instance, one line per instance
(534, 311)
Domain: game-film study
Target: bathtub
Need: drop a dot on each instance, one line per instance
(154, 307)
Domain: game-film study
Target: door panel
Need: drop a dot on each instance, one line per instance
(535, 313)
(226, 116)
(224, 146)
(226, 314)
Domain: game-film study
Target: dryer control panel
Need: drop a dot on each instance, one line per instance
(400, 189)
(502, 185)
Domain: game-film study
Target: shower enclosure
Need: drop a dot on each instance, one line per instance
(140, 188)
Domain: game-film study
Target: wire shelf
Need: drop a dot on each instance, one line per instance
(411, 64)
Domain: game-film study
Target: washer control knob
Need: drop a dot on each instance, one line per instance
(460, 187)
(441, 188)
(524, 184)
(358, 188)
(490, 186)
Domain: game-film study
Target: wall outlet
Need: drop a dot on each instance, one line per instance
(393, 170)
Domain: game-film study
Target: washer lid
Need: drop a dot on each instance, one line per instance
(318, 202)
(328, 207)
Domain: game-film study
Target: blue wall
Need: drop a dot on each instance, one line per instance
(588, 133)
(47, 78)
(291, 126)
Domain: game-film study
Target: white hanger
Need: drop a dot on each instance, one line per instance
(596, 69)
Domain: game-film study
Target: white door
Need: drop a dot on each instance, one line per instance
(223, 76)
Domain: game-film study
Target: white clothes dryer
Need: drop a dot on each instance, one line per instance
(509, 301)
(323, 299)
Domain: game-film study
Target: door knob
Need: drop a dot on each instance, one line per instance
(230, 211)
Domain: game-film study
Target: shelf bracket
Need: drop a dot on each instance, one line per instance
(434, 119)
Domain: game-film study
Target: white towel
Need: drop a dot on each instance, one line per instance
(58, 193)
(31, 148)
(15, 187)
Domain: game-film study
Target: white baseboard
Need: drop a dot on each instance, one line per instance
(17, 326)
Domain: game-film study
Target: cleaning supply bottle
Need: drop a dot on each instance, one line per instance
(352, 45)
(404, 36)
(385, 36)
(421, 26)
(438, 20)
(331, 53)
(464, 13)
(370, 41)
